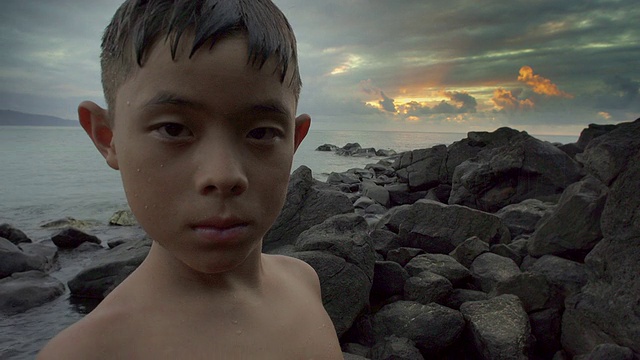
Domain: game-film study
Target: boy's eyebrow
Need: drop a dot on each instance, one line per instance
(168, 98)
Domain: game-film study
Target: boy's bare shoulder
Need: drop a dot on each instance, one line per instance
(92, 337)
(297, 269)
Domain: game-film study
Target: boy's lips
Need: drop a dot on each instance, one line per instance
(220, 229)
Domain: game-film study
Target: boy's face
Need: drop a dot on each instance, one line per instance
(204, 146)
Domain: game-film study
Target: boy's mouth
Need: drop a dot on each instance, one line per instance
(220, 229)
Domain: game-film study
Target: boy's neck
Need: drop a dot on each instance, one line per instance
(165, 271)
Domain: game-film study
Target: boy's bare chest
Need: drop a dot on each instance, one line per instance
(274, 333)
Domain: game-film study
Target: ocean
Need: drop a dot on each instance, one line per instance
(49, 173)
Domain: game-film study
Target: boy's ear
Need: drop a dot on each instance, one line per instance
(95, 122)
(303, 122)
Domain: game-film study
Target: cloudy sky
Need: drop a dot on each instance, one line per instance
(545, 66)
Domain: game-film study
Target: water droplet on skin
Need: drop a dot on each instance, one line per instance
(234, 322)
(239, 332)
(146, 207)
(161, 165)
(128, 103)
(138, 170)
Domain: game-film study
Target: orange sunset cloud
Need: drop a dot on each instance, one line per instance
(539, 84)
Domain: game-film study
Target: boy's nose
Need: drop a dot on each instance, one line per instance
(220, 171)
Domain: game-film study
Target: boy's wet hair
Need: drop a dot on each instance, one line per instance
(138, 24)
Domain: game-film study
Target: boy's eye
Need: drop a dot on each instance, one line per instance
(264, 133)
(174, 130)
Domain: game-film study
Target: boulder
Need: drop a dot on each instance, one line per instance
(476, 141)
(306, 205)
(440, 264)
(607, 155)
(565, 277)
(12, 234)
(348, 356)
(343, 178)
(45, 255)
(14, 260)
(70, 222)
(498, 328)
(608, 352)
(545, 328)
(532, 289)
(123, 218)
(573, 228)
(110, 270)
(621, 215)
(327, 147)
(342, 254)
(427, 287)
(400, 194)
(591, 132)
(403, 255)
(439, 228)
(521, 218)
(384, 241)
(422, 169)
(523, 169)
(432, 327)
(489, 269)
(469, 250)
(395, 348)
(71, 238)
(378, 193)
(388, 279)
(25, 290)
(457, 297)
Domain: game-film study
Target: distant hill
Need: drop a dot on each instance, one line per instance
(9, 117)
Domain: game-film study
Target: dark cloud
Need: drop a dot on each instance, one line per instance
(387, 103)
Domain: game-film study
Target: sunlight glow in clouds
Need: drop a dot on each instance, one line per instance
(539, 84)
(353, 61)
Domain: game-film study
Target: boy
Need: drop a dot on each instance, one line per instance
(201, 97)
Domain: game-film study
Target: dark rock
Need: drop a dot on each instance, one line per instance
(422, 169)
(427, 287)
(378, 193)
(348, 356)
(327, 147)
(395, 348)
(506, 251)
(523, 169)
(545, 328)
(607, 155)
(457, 297)
(306, 205)
(573, 228)
(592, 132)
(363, 202)
(14, 260)
(400, 194)
(342, 254)
(384, 241)
(388, 279)
(440, 264)
(71, 238)
(521, 218)
(431, 327)
(109, 270)
(403, 255)
(498, 328)
(343, 178)
(532, 289)
(25, 290)
(12, 234)
(621, 214)
(381, 170)
(70, 222)
(386, 152)
(608, 352)
(570, 149)
(356, 349)
(439, 228)
(439, 193)
(45, 255)
(469, 250)
(123, 218)
(565, 277)
(476, 141)
(489, 269)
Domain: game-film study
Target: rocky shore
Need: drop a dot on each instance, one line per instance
(498, 246)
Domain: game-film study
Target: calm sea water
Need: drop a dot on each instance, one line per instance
(48, 173)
